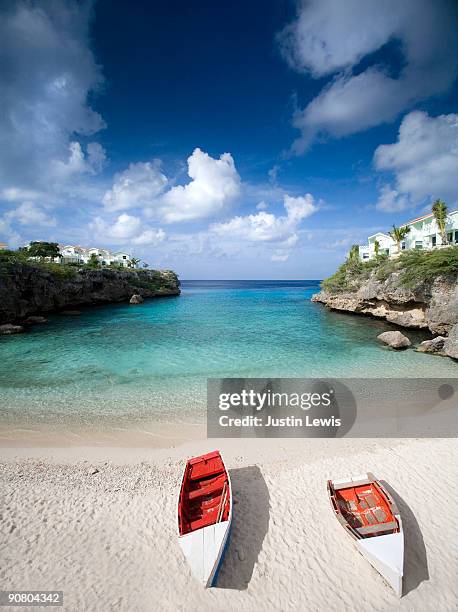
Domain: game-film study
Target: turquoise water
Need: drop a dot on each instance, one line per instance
(150, 362)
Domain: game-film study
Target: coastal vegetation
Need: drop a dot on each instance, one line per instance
(42, 255)
(414, 267)
(9, 259)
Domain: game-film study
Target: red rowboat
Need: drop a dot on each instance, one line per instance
(370, 516)
(205, 515)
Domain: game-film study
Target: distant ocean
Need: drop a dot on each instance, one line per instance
(121, 363)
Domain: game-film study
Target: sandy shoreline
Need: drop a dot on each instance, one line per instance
(146, 435)
(99, 523)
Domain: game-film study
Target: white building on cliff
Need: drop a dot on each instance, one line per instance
(423, 234)
(78, 254)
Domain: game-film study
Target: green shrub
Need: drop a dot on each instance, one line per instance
(420, 266)
(8, 255)
(59, 270)
(415, 267)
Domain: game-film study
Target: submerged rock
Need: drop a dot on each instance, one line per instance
(35, 320)
(432, 346)
(136, 299)
(8, 329)
(70, 313)
(394, 339)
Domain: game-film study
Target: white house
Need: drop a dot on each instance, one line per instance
(78, 254)
(423, 234)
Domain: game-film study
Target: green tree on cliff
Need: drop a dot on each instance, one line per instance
(398, 234)
(43, 249)
(439, 210)
(353, 254)
(93, 261)
(376, 248)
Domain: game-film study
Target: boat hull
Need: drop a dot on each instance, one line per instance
(386, 554)
(371, 518)
(205, 515)
(204, 550)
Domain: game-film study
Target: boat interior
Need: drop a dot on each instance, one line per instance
(365, 509)
(205, 493)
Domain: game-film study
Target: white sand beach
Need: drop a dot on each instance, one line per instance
(99, 524)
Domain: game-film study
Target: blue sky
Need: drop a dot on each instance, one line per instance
(225, 140)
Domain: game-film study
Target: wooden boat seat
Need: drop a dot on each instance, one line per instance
(371, 529)
(200, 474)
(211, 489)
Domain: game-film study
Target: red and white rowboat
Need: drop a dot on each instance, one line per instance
(370, 516)
(205, 515)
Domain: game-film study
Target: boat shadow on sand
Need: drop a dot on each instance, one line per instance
(250, 523)
(415, 559)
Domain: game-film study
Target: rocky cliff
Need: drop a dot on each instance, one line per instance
(27, 289)
(432, 305)
(429, 305)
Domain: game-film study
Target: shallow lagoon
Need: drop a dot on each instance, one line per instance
(122, 364)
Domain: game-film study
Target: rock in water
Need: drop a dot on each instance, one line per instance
(451, 343)
(432, 346)
(34, 320)
(394, 339)
(70, 313)
(8, 329)
(136, 299)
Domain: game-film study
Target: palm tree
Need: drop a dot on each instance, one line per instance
(134, 262)
(398, 234)
(439, 210)
(353, 255)
(376, 247)
(93, 261)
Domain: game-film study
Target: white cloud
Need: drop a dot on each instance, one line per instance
(214, 184)
(299, 207)
(424, 161)
(390, 200)
(96, 157)
(125, 226)
(149, 237)
(14, 194)
(264, 227)
(78, 162)
(136, 187)
(126, 229)
(12, 238)
(30, 214)
(45, 110)
(280, 256)
(330, 36)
